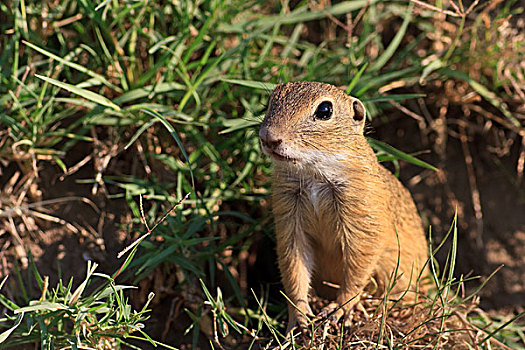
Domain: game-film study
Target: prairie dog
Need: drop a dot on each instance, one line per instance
(340, 216)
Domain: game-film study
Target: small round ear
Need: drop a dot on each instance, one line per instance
(358, 114)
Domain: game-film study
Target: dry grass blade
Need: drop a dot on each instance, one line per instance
(26, 208)
(141, 238)
(521, 163)
(437, 9)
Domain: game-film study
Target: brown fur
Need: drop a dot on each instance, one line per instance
(336, 209)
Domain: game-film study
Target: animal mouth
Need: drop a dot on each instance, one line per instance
(280, 157)
(276, 155)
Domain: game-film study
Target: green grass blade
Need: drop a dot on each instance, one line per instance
(252, 84)
(491, 334)
(394, 44)
(88, 95)
(355, 79)
(73, 65)
(198, 82)
(370, 80)
(45, 305)
(238, 124)
(395, 97)
(3, 281)
(175, 136)
(198, 39)
(4, 335)
(139, 132)
(296, 16)
(381, 146)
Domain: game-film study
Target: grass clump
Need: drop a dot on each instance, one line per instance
(100, 318)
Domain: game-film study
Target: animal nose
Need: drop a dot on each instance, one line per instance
(268, 139)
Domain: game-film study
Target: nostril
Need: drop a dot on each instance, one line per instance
(271, 143)
(269, 140)
(275, 143)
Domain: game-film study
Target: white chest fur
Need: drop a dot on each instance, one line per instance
(317, 192)
(323, 196)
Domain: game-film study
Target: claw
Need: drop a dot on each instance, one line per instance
(299, 319)
(334, 313)
(306, 333)
(301, 324)
(299, 335)
(361, 308)
(347, 321)
(329, 311)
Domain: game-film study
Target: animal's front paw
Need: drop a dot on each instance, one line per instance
(334, 313)
(299, 331)
(300, 320)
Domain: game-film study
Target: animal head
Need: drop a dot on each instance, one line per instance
(311, 123)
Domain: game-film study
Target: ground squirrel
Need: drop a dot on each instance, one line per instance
(336, 209)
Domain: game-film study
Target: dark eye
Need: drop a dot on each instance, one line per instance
(323, 111)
